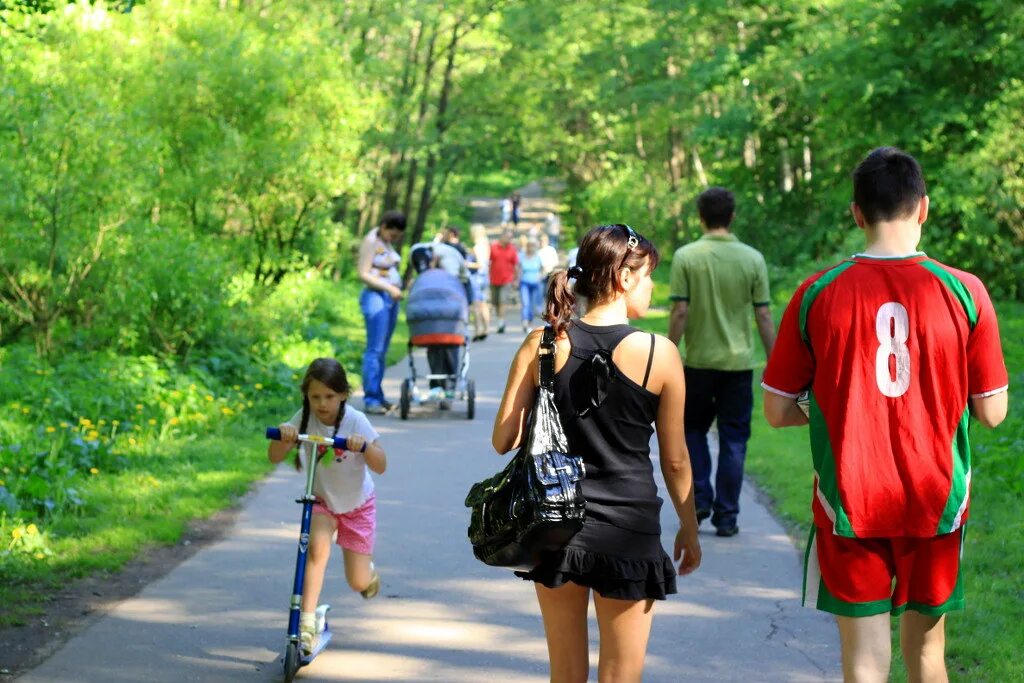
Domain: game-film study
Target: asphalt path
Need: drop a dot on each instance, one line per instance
(441, 616)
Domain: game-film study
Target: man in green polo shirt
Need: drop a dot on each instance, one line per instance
(716, 283)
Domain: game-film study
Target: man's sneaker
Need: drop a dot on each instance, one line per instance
(727, 531)
(702, 514)
(501, 327)
(375, 409)
(374, 587)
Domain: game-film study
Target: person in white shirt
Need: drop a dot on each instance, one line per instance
(346, 501)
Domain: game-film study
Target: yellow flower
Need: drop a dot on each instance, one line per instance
(51, 430)
(174, 420)
(31, 530)
(18, 532)
(93, 435)
(209, 398)
(258, 386)
(83, 420)
(131, 442)
(64, 425)
(152, 421)
(26, 410)
(115, 422)
(93, 470)
(101, 423)
(39, 555)
(227, 411)
(138, 407)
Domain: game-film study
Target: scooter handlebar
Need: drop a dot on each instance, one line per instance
(274, 434)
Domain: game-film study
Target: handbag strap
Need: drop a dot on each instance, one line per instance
(546, 357)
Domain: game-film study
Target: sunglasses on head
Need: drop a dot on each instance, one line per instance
(632, 238)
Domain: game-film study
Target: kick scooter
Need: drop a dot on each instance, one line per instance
(294, 658)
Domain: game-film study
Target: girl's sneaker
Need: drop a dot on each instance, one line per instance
(374, 587)
(308, 635)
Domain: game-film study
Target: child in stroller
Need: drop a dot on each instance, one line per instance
(437, 312)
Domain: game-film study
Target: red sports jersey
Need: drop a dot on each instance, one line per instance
(891, 349)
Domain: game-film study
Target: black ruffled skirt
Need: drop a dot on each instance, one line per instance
(617, 563)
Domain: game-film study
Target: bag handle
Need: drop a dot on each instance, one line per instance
(546, 358)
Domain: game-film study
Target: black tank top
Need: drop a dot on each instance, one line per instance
(608, 420)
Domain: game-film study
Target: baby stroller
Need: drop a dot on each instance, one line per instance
(437, 312)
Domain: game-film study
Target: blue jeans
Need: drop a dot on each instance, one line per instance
(728, 396)
(529, 296)
(380, 312)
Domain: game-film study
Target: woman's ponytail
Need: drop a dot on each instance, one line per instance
(561, 302)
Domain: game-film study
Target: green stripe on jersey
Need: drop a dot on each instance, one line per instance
(814, 290)
(958, 288)
(825, 467)
(956, 503)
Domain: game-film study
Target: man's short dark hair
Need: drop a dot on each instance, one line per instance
(452, 231)
(888, 184)
(716, 206)
(393, 219)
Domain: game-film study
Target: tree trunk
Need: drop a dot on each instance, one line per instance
(428, 71)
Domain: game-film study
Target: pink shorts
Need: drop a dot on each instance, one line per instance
(356, 529)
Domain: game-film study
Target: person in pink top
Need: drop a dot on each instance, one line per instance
(504, 259)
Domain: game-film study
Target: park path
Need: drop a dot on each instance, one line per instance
(441, 616)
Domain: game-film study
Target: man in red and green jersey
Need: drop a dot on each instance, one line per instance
(896, 351)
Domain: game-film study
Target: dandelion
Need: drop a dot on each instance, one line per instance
(174, 421)
(31, 530)
(64, 425)
(17, 532)
(93, 470)
(138, 407)
(83, 421)
(26, 410)
(51, 430)
(152, 421)
(209, 398)
(39, 555)
(131, 442)
(115, 422)
(227, 411)
(258, 386)
(92, 435)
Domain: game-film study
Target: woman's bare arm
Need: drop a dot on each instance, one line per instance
(520, 391)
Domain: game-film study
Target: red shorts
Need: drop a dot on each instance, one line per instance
(859, 577)
(356, 529)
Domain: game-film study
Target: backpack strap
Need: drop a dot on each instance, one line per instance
(546, 357)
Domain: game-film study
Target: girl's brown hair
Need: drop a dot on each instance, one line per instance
(329, 372)
(604, 251)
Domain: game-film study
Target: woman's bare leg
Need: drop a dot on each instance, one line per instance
(625, 626)
(564, 610)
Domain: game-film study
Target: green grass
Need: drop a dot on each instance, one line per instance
(188, 441)
(984, 641)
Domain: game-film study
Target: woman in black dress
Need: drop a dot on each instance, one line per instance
(612, 382)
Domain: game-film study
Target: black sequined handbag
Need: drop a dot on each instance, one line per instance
(536, 503)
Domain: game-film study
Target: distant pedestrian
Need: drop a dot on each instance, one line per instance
(615, 387)
(346, 503)
(553, 228)
(504, 260)
(378, 270)
(506, 211)
(897, 352)
(531, 277)
(517, 207)
(482, 252)
(715, 285)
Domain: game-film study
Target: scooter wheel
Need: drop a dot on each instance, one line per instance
(470, 399)
(406, 399)
(291, 662)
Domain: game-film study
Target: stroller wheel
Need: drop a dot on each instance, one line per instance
(470, 399)
(406, 399)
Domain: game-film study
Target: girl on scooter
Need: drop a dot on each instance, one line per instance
(343, 487)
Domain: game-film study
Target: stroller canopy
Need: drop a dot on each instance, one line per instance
(437, 309)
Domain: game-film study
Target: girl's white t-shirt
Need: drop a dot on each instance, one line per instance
(343, 480)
